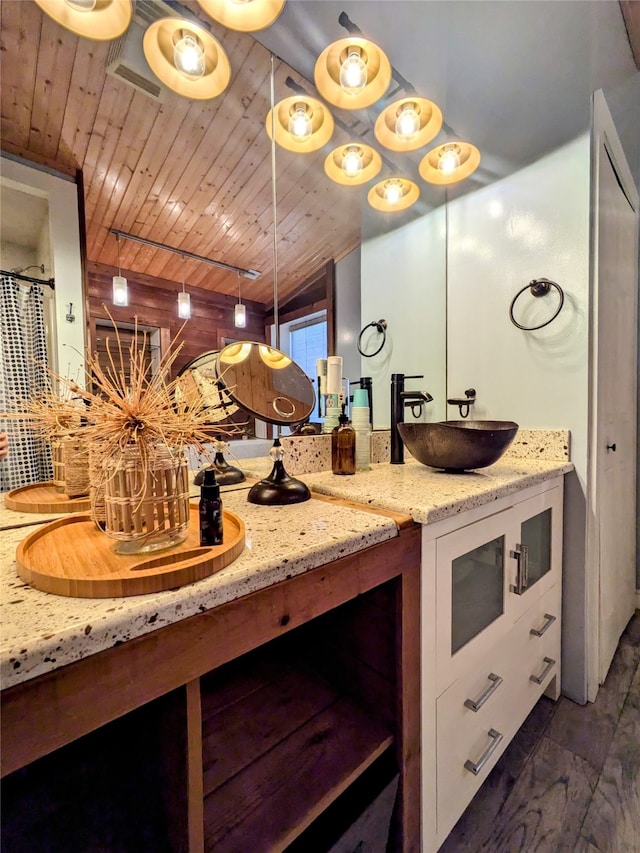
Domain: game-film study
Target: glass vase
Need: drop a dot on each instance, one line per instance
(146, 499)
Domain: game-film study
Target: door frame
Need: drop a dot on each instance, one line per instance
(603, 134)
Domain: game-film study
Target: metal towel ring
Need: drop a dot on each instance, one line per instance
(381, 326)
(538, 287)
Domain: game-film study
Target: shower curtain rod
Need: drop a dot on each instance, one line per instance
(48, 282)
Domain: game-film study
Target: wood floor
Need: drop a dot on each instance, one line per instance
(570, 779)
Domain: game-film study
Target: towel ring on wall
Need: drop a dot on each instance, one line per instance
(538, 287)
(381, 326)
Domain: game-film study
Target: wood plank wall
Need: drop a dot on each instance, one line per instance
(154, 302)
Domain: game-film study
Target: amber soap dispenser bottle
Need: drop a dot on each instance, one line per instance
(210, 510)
(343, 447)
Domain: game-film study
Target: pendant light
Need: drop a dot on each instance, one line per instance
(239, 311)
(352, 73)
(300, 123)
(184, 300)
(408, 124)
(102, 21)
(246, 16)
(352, 164)
(449, 163)
(393, 194)
(120, 290)
(187, 58)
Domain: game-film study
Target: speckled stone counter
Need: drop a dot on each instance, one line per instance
(42, 631)
(429, 495)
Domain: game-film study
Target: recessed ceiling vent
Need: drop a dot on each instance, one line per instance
(126, 60)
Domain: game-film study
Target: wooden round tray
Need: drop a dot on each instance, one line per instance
(44, 497)
(72, 557)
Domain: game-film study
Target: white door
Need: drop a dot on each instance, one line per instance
(614, 436)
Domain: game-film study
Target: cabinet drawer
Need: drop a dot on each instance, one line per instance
(535, 646)
(466, 735)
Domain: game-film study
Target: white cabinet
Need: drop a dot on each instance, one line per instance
(492, 606)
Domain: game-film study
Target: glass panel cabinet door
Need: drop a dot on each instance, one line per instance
(477, 584)
(536, 537)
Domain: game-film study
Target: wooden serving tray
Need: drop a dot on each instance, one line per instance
(44, 497)
(71, 556)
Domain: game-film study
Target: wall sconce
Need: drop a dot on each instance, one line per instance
(352, 73)
(353, 164)
(239, 311)
(102, 21)
(246, 16)
(184, 300)
(393, 194)
(408, 124)
(187, 58)
(449, 163)
(303, 109)
(120, 290)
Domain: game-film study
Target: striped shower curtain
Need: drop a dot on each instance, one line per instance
(23, 374)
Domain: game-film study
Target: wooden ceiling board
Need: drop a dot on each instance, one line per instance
(192, 175)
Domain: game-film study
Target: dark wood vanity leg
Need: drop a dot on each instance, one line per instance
(408, 709)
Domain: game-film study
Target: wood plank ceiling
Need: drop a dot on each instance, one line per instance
(192, 175)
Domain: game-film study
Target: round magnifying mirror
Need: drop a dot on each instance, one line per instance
(198, 380)
(265, 382)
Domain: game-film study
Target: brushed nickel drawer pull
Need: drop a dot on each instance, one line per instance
(521, 554)
(550, 663)
(549, 620)
(476, 704)
(496, 737)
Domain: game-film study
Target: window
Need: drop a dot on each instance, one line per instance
(308, 343)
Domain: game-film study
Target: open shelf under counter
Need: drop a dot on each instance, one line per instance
(299, 744)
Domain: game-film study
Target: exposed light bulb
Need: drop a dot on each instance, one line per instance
(449, 159)
(353, 73)
(240, 315)
(81, 5)
(188, 57)
(392, 191)
(120, 291)
(184, 305)
(300, 126)
(352, 161)
(407, 122)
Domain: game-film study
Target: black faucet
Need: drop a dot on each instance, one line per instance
(400, 399)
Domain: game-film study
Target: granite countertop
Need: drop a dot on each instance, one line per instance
(428, 495)
(42, 631)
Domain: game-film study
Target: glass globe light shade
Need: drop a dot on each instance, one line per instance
(449, 160)
(188, 57)
(353, 73)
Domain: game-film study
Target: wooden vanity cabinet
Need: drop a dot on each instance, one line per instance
(237, 729)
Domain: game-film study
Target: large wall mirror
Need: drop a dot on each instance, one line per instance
(514, 79)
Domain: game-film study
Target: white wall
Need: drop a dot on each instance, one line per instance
(64, 239)
(533, 224)
(403, 282)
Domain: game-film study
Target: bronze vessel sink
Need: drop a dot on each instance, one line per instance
(458, 445)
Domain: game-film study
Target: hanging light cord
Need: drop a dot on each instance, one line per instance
(276, 318)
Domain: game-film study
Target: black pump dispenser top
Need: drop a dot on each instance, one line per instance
(342, 417)
(210, 490)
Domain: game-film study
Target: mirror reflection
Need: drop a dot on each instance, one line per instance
(266, 382)
(195, 174)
